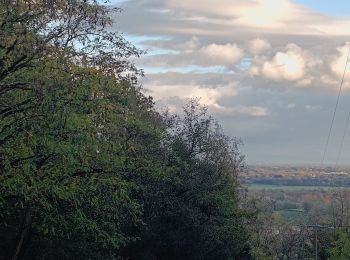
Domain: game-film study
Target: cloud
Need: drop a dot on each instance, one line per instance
(193, 53)
(251, 62)
(190, 46)
(288, 65)
(208, 96)
(266, 13)
(226, 17)
(219, 54)
(254, 111)
(338, 61)
(257, 13)
(258, 46)
(208, 80)
(291, 64)
(275, 40)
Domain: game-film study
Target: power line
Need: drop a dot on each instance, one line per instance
(336, 107)
(343, 139)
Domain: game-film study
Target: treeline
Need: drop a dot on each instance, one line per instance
(324, 181)
(88, 168)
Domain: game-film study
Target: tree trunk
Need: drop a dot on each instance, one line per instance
(23, 234)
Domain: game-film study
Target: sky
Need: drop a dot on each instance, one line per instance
(268, 70)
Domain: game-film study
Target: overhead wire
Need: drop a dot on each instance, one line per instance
(342, 140)
(335, 108)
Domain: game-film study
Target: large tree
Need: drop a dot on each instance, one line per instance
(65, 103)
(194, 211)
(89, 169)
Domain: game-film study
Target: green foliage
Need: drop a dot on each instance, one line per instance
(88, 168)
(193, 210)
(341, 247)
(66, 166)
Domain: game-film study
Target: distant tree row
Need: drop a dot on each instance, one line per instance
(88, 168)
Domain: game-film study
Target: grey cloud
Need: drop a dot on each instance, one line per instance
(298, 109)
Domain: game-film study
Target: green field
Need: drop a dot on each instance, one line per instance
(285, 187)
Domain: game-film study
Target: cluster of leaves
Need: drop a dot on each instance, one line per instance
(88, 168)
(341, 246)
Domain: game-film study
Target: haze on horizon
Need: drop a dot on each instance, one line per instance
(269, 70)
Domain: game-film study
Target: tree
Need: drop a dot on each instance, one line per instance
(63, 102)
(193, 210)
(341, 247)
(89, 168)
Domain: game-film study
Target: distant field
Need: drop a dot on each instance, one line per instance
(286, 187)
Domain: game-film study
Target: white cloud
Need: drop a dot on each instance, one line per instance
(219, 54)
(190, 46)
(224, 8)
(266, 13)
(258, 46)
(228, 33)
(229, 17)
(339, 61)
(193, 53)
(288, 65)
(306, 82)
(254, 111)
(332, 27)
(292, 64)
(256, 13)
(208, 96)
(255, 37)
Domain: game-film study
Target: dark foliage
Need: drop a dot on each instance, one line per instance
(88, 168)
